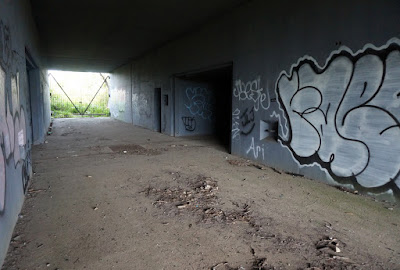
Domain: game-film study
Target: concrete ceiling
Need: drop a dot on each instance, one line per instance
(100, 35)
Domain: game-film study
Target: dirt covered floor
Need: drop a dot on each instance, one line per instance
(107, 195)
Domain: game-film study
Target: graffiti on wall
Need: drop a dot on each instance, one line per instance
(5, 44)
(247, 121)
(235, 123)
(3, 125)
(345, 116)
(252, 91)
(189, 123)
(283, 129)
(26, 171)
(2, 182)
(12, 136)
(256, 150)
(200, 102)
(243, 123)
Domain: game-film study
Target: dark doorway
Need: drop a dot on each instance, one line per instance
(203, 104)
(32, 73)
(157, 109)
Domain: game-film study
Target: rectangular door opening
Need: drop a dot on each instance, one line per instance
(203, 105)
(35, 110)
(157, 109)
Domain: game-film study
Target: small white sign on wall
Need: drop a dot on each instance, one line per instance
(21, 138)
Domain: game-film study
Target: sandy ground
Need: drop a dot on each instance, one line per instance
(107, 195)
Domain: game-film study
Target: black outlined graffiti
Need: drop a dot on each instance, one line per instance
(2, 181)
(252, 91)
(3, 129)
(200, 102)
(5, 44)
(1, 40)
(345, 116)
(247, 121)
(189, 123)
(26, 171)
(13, 136)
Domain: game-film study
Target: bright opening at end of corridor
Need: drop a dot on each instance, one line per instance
(79, 94)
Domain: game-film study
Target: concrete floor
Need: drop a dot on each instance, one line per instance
(108, 195)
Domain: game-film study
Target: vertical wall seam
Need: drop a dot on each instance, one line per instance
(130, 96)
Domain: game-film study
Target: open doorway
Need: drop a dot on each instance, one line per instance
(79, 94)
(33, 132)
(157, 109)
(203, 104)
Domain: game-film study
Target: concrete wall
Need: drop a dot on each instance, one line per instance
(18, 35)
(194, 107)
(45, 94)
(315, 86)
(156, 70)
(120, 94)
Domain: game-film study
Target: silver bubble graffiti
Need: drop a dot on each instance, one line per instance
(345, 116)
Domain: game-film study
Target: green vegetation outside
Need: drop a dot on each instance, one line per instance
(64, 109)
(81, 88)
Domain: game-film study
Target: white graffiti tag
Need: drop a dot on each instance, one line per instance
(252, 91)
(200, 102)
(235, 124)
(256, 150)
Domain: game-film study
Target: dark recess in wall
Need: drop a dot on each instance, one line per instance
(221, 81)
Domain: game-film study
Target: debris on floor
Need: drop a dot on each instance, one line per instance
(347, 190)
(239, 162)
(50, 129)
(200, 198)
(243, 163)
(254, 264)
(31, 190)
(134, 149)
(248, 163)
(328, 244)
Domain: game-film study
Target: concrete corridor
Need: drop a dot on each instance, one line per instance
(108, 195)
